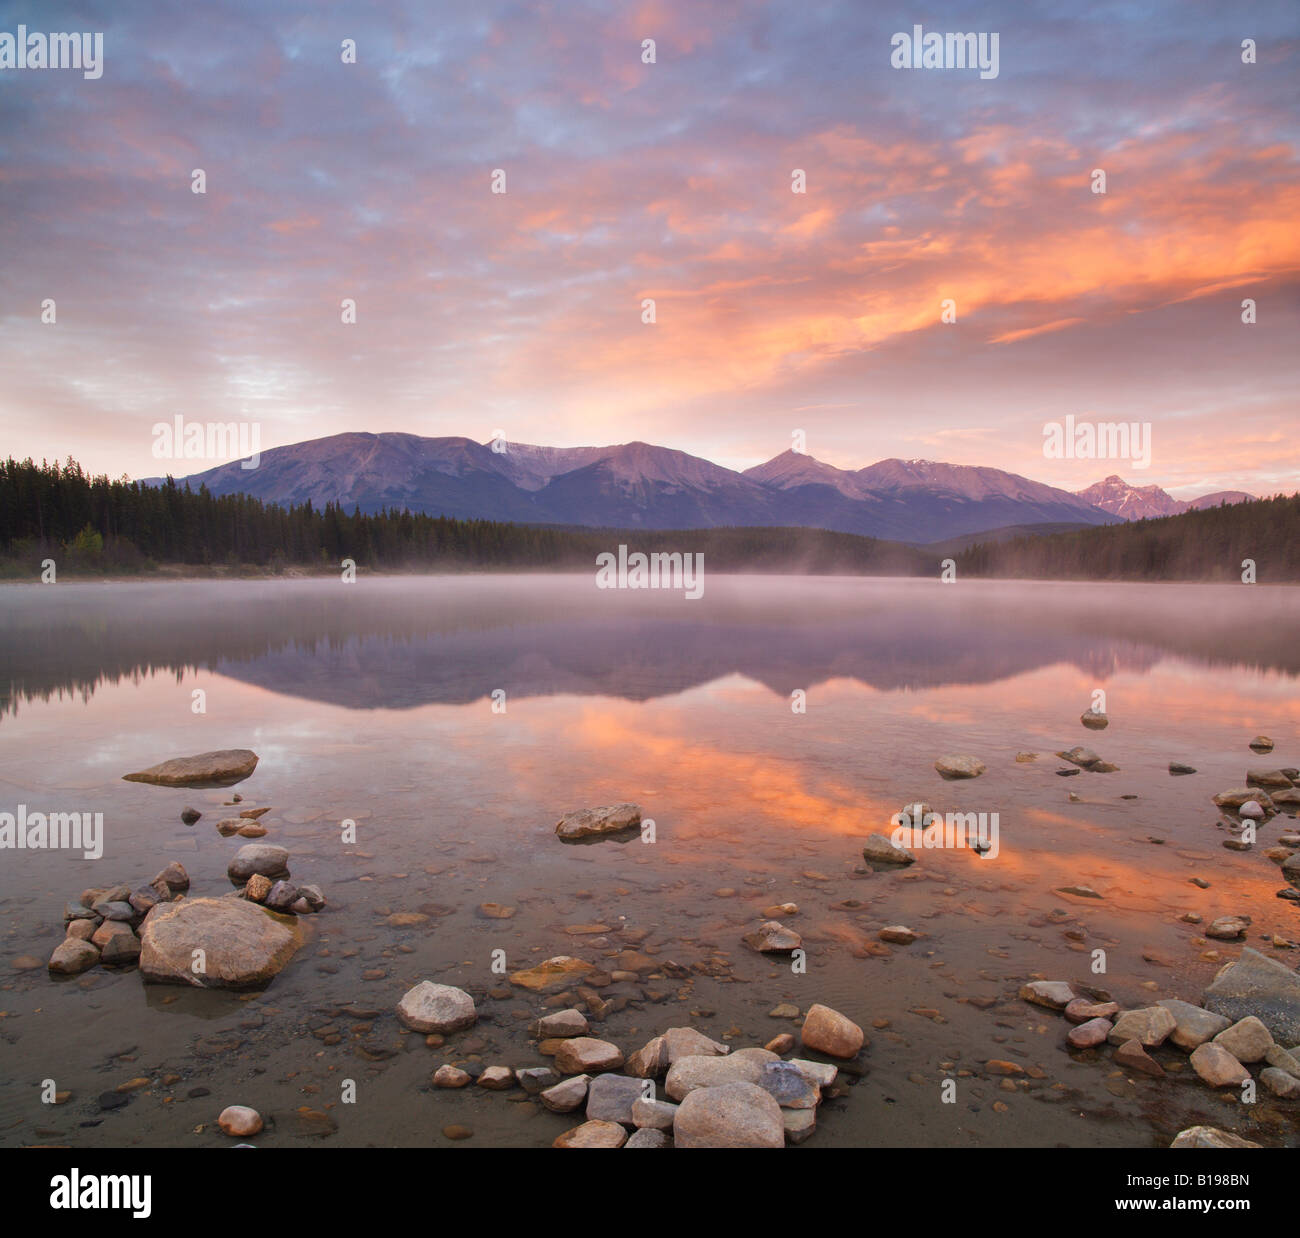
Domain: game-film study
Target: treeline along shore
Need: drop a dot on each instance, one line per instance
(94, 526)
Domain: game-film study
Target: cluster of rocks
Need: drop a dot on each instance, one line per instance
(680, 1089)
(261, 871)
(101, 926)
(1249, 1016)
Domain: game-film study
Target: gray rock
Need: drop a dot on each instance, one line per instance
(536, 1079)
(789, 1086)
(430, 1007)
(648, 1137)
(687, 1042)
(610, 1098)
(282, 896)
(1280, 1083)
(1260, 986)
(264, 858)
(1193, 1025)
(561, 1024)
(690, 1073)
(656, 1114)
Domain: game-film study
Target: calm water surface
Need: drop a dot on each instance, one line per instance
(373, 702)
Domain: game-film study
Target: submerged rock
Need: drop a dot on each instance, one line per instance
(215, 943)
(264, 858)
(773, 937)
(953, 767)
(222, 768)
(555, 973)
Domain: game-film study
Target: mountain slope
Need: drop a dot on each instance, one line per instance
(1115, 495)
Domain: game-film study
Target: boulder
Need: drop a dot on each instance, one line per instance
(734, 1115)
(646, 1137)
(682, 1042)
(73, 956)
(241, 944)
(827, 1031)
(1217, 1066)
(1193, 1025)
(219, 769)
(566, 1096)
(1149, 1026)
(654, 1114)
(953, 767)
(689, 1073)
(598, 822)
(610, 1098)
(587, 1055)
(561, 1024)
(1210, 1137)
(442, 1008)
(1248, 1040)
(265, 859)
(1258, 985)
(592, 1135)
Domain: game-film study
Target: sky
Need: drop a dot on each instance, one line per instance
(521, 313)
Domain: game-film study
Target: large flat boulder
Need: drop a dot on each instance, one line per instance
(1259, 986)
(216, 769)
(598, 822)
(242, 945)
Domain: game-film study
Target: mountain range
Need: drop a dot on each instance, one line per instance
(639, 485)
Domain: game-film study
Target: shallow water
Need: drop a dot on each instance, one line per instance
(373, 702)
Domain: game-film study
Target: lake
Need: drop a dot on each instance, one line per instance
(768, 728)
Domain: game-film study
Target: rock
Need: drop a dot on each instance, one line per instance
(223, 768)
(734, 1115)
(239, 1120)
(229, 826)
(555, 973)
(560, 1024)
(1054, 994)
(1291, 870)
(879, 850)
(536, 1079)
(1132, 1056)
(1248, 1040)
(497, 1078)
(264, 858)
(1283, 1059)
(960, 767)
(610, 1098)
(82, 930)
(281, 896)
(1149, 1026)
(72, 956)
(1085, 758)
(1209, 1137)
(1261, 743)
(598, 822)
(1087, 1035)
(448, 1076)
(653, 1114)
(567, 1096)
(827, 1031)
(586, 1055)
(1228, 928)
(1260, 986)
(784, 1043)
(1267, 778)
(495, 911)
(789, 1085)
(820, 1074)
(173, 879)
(1252, 810)
(1177, 767)
(650, 1061)
(190, 815)
(1078, 891)
(1280, 1083)
(242, 945)
(251, 829)
(647, 1138)
(312, 896)
(1084, 1009)
(258, 888)
(689, 1073)
(430, 1007)
(1217, 1066)
(772, 937)
(121, 949)
(76, 911)
(1094, 721)
(1235, 797)
(252, 814)
(777, 910)
(799, 1124)
(897, 934)
(1193, 1025)
(592, 1135)
(682, 1042)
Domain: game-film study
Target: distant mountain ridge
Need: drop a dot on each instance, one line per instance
(640, 485)
(1115, 495)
